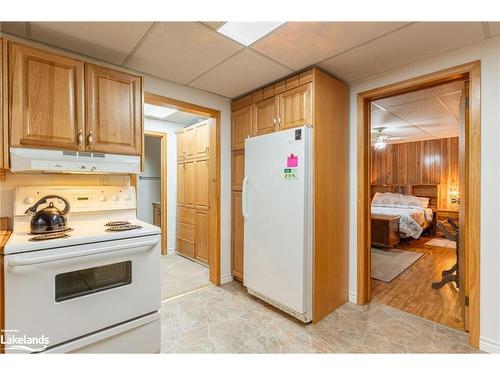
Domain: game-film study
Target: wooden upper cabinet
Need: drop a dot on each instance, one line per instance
(295, 107)
(190, 142)
(181, 194)
(202, 139)
(238, 172)
(201, 239)
(181, 145)
(241, 127)
(237, 237)
(202, 183)
(46, 93)
(265, 116)
(190, 183)
(114, 110)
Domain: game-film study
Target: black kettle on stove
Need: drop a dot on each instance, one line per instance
(49, 219)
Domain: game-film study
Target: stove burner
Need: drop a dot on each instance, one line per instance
(117, 223)
(49, 236)
(121, 228)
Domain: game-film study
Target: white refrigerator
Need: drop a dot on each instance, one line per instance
(277, 212)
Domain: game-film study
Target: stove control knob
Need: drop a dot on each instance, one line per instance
(116, 197)
(102, 198)
(29, 200)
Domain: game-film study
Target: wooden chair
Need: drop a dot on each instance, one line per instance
(452, 274)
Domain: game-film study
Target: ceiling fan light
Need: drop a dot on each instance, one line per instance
(379, 145)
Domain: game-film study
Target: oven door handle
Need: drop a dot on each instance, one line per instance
(129, 247)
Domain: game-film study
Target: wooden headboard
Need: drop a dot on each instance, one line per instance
(430, 191)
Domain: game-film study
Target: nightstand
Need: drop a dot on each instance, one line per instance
(443, 214)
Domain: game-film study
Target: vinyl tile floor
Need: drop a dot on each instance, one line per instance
(181, 275)
(227, 319)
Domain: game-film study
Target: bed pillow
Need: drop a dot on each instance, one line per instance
(413, 201)
(386, 199)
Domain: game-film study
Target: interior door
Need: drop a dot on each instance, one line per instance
(114, 111)
(265, 116)
(241, 127)
(295, 107)
(46, 97)
(202, 183)
(462, 215)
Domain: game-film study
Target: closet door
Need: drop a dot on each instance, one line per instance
(295, 107)
(114, 110)
(190, 183)
(265, 116)
(46, 99)
(201, 181)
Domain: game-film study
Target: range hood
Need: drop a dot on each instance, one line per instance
(62, 161)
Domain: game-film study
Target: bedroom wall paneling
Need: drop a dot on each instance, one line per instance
(432, 161)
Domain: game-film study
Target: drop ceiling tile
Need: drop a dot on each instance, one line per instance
(301, 44)
(426, 109)
(241, 73)
(449, 88)
(494, 28)
(429, 123)
(184, 118)
(403, 132)
(181, 51)
(452, 102)
(386, 119)
(407, 45)
(108, 41)
(410, 97)
(15, 28)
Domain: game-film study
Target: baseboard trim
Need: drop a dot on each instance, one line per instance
(171, 251)
(488, 345)
(353, 297)
(227, 278)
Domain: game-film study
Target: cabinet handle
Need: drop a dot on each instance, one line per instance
(80, 137)
(90, 137)
(274, 121)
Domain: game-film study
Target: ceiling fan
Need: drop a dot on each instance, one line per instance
(379, 140)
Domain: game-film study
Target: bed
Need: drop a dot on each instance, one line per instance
(401, 211)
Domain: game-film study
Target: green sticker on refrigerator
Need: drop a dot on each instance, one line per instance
(290, 174)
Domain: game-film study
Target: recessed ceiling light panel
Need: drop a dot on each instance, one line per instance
(157, 111)
(247, 32)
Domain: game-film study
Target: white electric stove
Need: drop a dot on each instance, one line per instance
(94, 288)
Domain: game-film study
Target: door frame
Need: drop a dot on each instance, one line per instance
(470, 235)
(214, 174)
(163, 181)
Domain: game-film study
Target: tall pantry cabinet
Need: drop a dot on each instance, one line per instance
(193, 156)
(308, 98)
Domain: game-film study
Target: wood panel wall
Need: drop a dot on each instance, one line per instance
(433, 161)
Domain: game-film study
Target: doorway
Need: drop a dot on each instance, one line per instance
(190, 226)
(468, 194)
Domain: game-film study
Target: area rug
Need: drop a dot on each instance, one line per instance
(441, 242)
(388, 264)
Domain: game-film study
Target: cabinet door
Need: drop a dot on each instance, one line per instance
(295, 107)
(181, 190)
(201, 181)
(181, 145)
(190, 183)
(201, 248)
(46, 96)
(238, 172)
(202, 136)
(190, 135)
(237, 237)
(114, 110)
(265, 116)
(185, 241)
(3, 124)
(241, 127)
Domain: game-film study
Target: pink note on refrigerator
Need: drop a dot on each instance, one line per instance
(292, 161)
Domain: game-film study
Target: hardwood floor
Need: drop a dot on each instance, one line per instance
(411, 291)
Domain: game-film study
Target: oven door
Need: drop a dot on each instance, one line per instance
(61, 294)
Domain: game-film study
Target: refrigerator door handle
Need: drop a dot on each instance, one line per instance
(244, 198)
